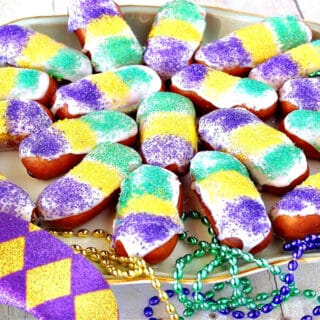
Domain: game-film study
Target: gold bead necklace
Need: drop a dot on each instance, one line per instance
(118, 266)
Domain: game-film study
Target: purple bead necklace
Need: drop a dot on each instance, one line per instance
(241, 288)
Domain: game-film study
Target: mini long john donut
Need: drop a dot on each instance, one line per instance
(295, 63)
(20, 118)
(175, 35)
(210, 89)
(231, 201)
(303, 128)
(53, 151)
(240, 51)
(15, 200)
(27, 84)
(272, 159)
(168, 135)
(86, 189)
(297, 214)
(104, 34)
(44, 277)
(300, 94)
(23, 47)
(121, 89)
(148, 214)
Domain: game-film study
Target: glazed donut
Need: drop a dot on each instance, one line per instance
(168, 134)
(295, 63)
(27, 84)
(210, 89)
(20, 118)
(147, 221)
(231, 201)
(53, 151)
(245, 48)
(121, 89)
(16, 201)
(20, 46)
(303, 128)
(297, 214)
(86, 189)
(269, 155)
(43, 276)
(301, 93)
(104, 34)
(175, 35)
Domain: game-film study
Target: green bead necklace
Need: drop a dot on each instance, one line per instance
(241, 287)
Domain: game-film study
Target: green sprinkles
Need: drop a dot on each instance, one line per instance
(164, 102)
(108, 124)
(275, 164)
(133, 76)
(125, 159)
(252, 87)
(66, 61)
(289, 31)
(146, 179)
(206, 163)
(182, 10)
(117, 51)
(28, 79)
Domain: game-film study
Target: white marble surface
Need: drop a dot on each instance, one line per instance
(132, 298)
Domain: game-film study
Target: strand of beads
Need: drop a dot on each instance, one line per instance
(118, 266)
(241, 288)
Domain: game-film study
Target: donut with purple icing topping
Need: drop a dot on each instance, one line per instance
(231, 201)
(148, 221)
(300, 94)
(104, 34)
(87, 188)
(168, 135)
(175, 35)
(297, 214)
(56, 149)
(20, 118)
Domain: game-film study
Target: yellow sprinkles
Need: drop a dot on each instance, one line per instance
(307, 56)
(149, 203)
(176, 29)
(258, 39)
(3, 122)
(173, 123)
(8, 78)
(106, 26)
(80, 136)
(312, 181)
(31, 56)
(228, 184)
(98, 175)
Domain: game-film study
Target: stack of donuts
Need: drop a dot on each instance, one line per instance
(129, 121)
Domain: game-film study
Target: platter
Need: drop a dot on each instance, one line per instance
(219, 23)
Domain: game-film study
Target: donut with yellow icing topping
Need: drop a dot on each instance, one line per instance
(20, 118)
(231, 201)
(56, 149)
(148, 221)
(87, 188)
(104, 34)
(22, 47)
(243, 49)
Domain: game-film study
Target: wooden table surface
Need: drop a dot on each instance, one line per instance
(133, 298)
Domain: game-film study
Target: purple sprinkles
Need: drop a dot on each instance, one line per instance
(248, 214)
(163, 150)
(149, 228)
(167, 55)
(299, 198)
(225, 53)
(66, 197)
(13, 39)
(24, 117)
(82, 12)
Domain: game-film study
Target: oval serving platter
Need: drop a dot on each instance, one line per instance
(140, 18)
